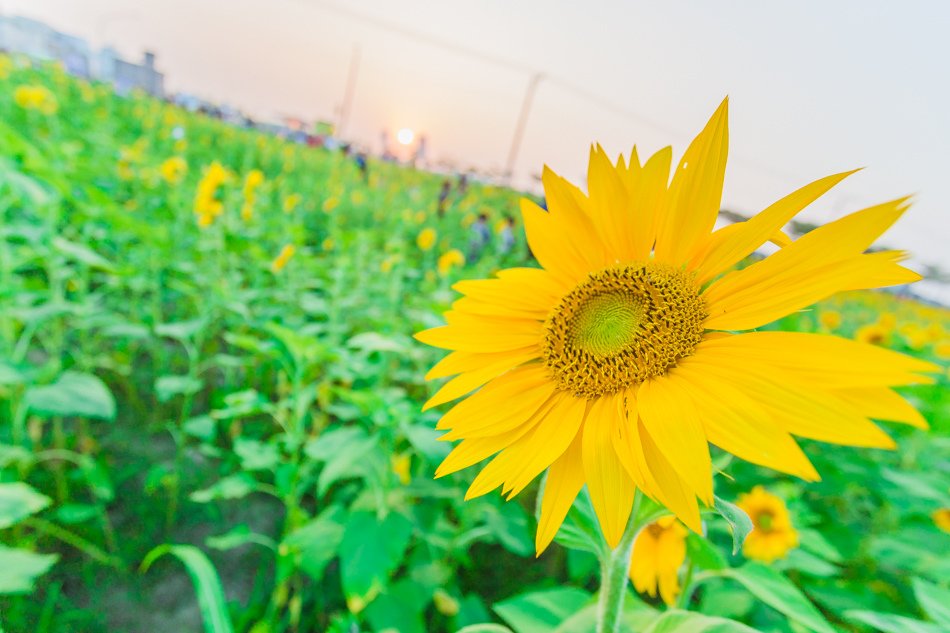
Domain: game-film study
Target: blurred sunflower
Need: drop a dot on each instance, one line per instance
(872, 334)
(830, 319)
(426, 239)
(941, 519)
(173, 169)
(450, 259)
(38, 98)
(283, 257)
(658, 552)
(617, 362)
(772, 535)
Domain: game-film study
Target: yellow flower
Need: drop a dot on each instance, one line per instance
(829, 319)
(207, 205)
(253, 180)
(173, 169)
(283, 257)
(772, 535)
(449, 259)
(873, 334)
(942, 350)
(331, 203)
(37, 98)
(658, 552)
(401, 465)
(634, 346)
(887, 321)
(426, 239)
(291, 202)
(327, 244)
(941, 518)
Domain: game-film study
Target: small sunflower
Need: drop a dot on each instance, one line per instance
(658, 552)
(616, 363)
(772, 535)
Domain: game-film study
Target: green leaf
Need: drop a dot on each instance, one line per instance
(739, 521)
(231, 487)
(181, 330)
(816, 543)
(236, 537)
(580, 528)
(318, 541)
(484, 628)
(934, 600)
(426, 440)
(890, 623)
(676, 621)
(778, 592)
(376, 342)
(167, 387)
(11, 455)
(371, 550)
(18, 501)
(256, 455)
(541, 611)
(214, 609)
(82, 254)
(703, 553)
(21, 568)
(73, 394)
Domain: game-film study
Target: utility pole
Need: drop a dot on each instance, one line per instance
(522, 123)
(348, 92)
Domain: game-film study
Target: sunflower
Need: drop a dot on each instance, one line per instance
(772, 534)
(623, 357)
(658, 552)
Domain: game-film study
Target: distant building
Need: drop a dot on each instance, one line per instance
(23, 35)
(127, 76)
(43, 43)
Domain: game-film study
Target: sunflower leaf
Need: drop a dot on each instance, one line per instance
(781, 594)
(737, 518)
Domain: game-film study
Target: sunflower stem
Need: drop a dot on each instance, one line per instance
(615, 569)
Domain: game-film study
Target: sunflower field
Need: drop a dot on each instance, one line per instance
(212, 412)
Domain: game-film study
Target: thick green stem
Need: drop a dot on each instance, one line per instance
(615, 569)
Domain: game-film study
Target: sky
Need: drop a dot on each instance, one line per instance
(815, 87)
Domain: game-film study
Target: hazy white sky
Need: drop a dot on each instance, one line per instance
(815, 87)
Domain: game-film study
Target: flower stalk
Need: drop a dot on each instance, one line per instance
(615, 571)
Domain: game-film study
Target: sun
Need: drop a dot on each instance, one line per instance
(405, 136)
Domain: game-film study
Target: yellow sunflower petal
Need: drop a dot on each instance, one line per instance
(695, 192)
(549, 439)
(610, 206)
(671, 418)
(611, 489)
(469, 333)
(565, 480)
(471, 380)
(648, 193)
(736, 423)
(881, 403)
(670, 488)
(727, 246)
(817, 359)
(503, 402)
(825, 261)
(473, 450)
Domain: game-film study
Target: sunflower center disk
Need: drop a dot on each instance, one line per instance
(622, 326)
